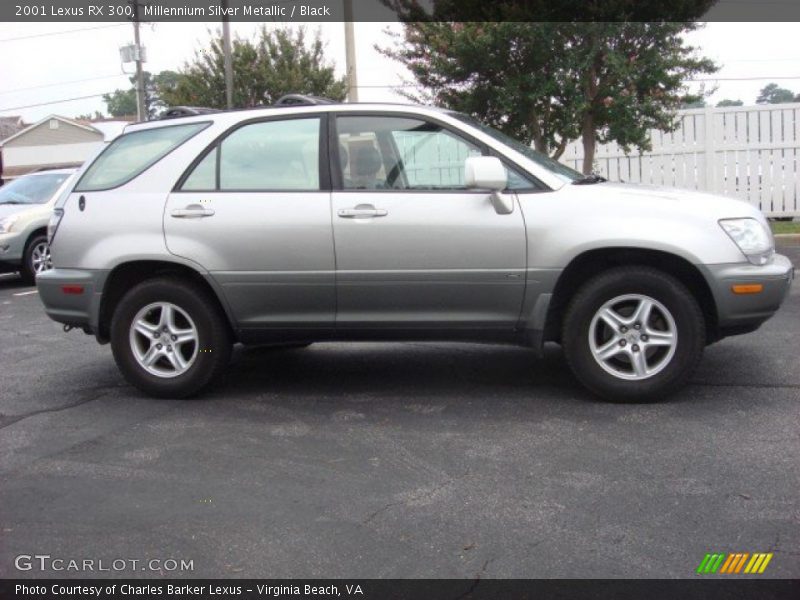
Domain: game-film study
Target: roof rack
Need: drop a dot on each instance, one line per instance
(302, 99)
(176, 112)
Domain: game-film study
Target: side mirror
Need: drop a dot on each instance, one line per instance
(488, 173)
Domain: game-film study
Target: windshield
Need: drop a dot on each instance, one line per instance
(32, 189)
(562, 171)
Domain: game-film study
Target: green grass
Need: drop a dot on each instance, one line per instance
(785, 226)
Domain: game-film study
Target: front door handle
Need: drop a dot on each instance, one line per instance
(362, 210)
(193, 211)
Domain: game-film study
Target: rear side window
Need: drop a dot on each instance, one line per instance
(263, 156)
(133, 153)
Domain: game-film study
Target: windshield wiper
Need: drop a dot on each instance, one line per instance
(13, 202)
(589, 179)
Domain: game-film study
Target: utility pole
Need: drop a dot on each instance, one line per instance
(226, 50)
(141, 111)
(350, 52)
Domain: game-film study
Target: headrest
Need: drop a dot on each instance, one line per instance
(366, 161)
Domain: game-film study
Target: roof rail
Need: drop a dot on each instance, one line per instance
(302, 99)
(176, 112)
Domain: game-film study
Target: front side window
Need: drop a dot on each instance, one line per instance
(132, 153)
(265, 156)
(32, 189)
(402, 153)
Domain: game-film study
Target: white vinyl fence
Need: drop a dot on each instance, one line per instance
(747, 152)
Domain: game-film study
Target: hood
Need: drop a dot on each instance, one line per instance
(671, 200)
(14, 209)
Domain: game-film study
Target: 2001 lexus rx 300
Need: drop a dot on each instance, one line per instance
(315, 221)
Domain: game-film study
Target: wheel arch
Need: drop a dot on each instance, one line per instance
(41, 230)
(126, 275)
(591, 262)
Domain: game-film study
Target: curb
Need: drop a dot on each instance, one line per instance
(787, 236)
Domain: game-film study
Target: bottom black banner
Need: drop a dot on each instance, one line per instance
(400, 589)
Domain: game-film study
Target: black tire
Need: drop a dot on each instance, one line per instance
(27, 270)
(646, 281)
(214, 337)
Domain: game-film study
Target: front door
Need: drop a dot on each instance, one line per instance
(414, 247)
(255, 213)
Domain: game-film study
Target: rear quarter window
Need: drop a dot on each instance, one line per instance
(132, 153)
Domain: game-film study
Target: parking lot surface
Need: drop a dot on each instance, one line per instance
(395, 460)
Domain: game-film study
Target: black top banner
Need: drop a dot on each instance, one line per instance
(398, 10)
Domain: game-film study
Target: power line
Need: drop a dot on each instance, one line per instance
(38, 35)
(53, 102)
(37, 87)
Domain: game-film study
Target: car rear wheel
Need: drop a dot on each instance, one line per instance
(633, 334)
(169, 338)
(36, 259)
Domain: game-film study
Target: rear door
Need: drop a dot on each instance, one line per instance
(255, 212)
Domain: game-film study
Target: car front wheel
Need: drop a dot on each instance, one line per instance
(633, 334)
(169, 338)
(36, 259)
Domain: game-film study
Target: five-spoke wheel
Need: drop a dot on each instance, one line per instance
(164, 339)
(633, 334)
(170, 337)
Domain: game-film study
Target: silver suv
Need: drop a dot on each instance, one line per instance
(314, 221)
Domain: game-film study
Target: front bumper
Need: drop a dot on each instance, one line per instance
(12, 246)
(75, 309)
(740, 313)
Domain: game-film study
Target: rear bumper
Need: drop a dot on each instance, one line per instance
(74, 309)
(741, 313)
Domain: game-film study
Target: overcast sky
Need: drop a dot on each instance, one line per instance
(44, 62)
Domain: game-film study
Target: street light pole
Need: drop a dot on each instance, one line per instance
(350, 52)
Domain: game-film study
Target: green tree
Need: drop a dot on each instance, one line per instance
(698, 103)
(726, 102)
(276, 63)
(773, 94)
(551, 83)
(122, 103)
(90, 117)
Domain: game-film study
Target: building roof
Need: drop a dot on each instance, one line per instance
(72, 122)
(109, 129)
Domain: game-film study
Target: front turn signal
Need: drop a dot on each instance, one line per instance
(747, 288)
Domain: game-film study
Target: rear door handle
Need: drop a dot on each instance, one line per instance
(354, 213)
(193, 211)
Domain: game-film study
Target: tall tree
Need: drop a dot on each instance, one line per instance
(551, 83)
(276, 63)
(122, 103)
(774, 94)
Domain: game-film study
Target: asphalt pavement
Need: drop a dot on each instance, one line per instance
(394, 460)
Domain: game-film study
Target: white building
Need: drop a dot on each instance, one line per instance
(54, 142)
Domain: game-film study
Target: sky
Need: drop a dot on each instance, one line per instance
(45, 62)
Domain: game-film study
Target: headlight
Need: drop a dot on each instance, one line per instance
(753, 239)
(6, 223)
